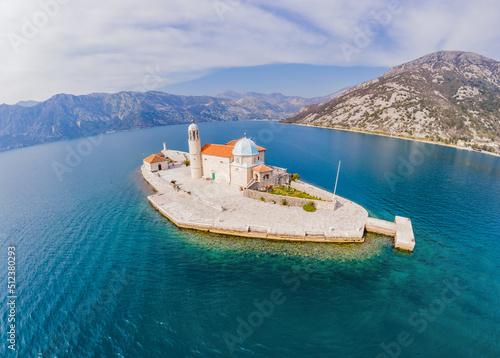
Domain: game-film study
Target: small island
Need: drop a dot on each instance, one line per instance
(229, 189)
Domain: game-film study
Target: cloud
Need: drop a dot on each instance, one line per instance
(53, 46)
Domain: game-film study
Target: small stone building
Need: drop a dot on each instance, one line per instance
(266, 177)
(156, 162)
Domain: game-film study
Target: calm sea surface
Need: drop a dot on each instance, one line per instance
(100, 273)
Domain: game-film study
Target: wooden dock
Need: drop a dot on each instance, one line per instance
(400, 229)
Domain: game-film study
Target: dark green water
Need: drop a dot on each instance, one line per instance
(101, 274)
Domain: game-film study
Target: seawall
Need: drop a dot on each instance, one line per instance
(221, 208)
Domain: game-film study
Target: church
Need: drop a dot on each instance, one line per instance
(239, 162)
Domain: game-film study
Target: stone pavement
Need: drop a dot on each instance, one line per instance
(222, 208)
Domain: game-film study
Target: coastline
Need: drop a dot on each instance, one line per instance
(121, 131)
(191, 207)
(219, 208)
(397, 137)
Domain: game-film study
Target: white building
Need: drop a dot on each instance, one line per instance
(156, 162)
(238, 162)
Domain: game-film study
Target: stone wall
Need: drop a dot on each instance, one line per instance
(312, 190)
(291, 201)
(276, 179)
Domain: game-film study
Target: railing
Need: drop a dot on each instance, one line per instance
(252, 182)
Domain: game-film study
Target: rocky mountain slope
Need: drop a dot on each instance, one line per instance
(286, 103)
(450, 96)
(65, 116)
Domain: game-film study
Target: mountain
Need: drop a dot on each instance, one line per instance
(66, 116)
(450, 96)
(27, 103)
(288, 104)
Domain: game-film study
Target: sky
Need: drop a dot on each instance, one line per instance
(297, 47)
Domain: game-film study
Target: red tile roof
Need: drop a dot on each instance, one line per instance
(217, 150)
(262, 168)
(155, 158)
(222, 150)
(233, 143)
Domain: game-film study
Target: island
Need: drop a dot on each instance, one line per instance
(230, 189)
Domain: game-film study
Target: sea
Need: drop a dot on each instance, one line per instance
(90, 269)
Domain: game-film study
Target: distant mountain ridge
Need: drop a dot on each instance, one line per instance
(449, 96)
(27, 103)
(66, 116)
(286, 103)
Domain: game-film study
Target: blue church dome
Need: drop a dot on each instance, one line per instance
(245, 148)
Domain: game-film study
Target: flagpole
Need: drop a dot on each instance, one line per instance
(335, 189)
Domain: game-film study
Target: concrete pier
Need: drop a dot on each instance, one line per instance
(400, 229)
(404, 239)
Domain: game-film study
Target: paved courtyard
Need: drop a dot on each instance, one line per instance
(218, 207)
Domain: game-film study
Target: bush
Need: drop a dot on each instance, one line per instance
(310, 208)
(284, 202)
(187, 163)
(173, 181)
(295, 177)
(262, 198)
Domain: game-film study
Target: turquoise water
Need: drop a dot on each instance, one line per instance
(102, 274)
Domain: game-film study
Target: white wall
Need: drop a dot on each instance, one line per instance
(154, 167)
(241, 176)
(217, 165)
(251, 160)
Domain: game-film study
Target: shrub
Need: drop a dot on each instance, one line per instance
(173, 181)
(309, 208)
(295, 177)
(262, 198)
(284, 202)
(187, 163)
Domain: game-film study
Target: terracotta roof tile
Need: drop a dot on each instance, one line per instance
(262, 168)
(217, 150)
(155, 158)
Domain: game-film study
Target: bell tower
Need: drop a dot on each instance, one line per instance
(195, 151)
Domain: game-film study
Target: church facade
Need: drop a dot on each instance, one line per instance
(239, 162)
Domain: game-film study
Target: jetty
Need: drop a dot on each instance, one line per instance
(400, 229)
(222, 208)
